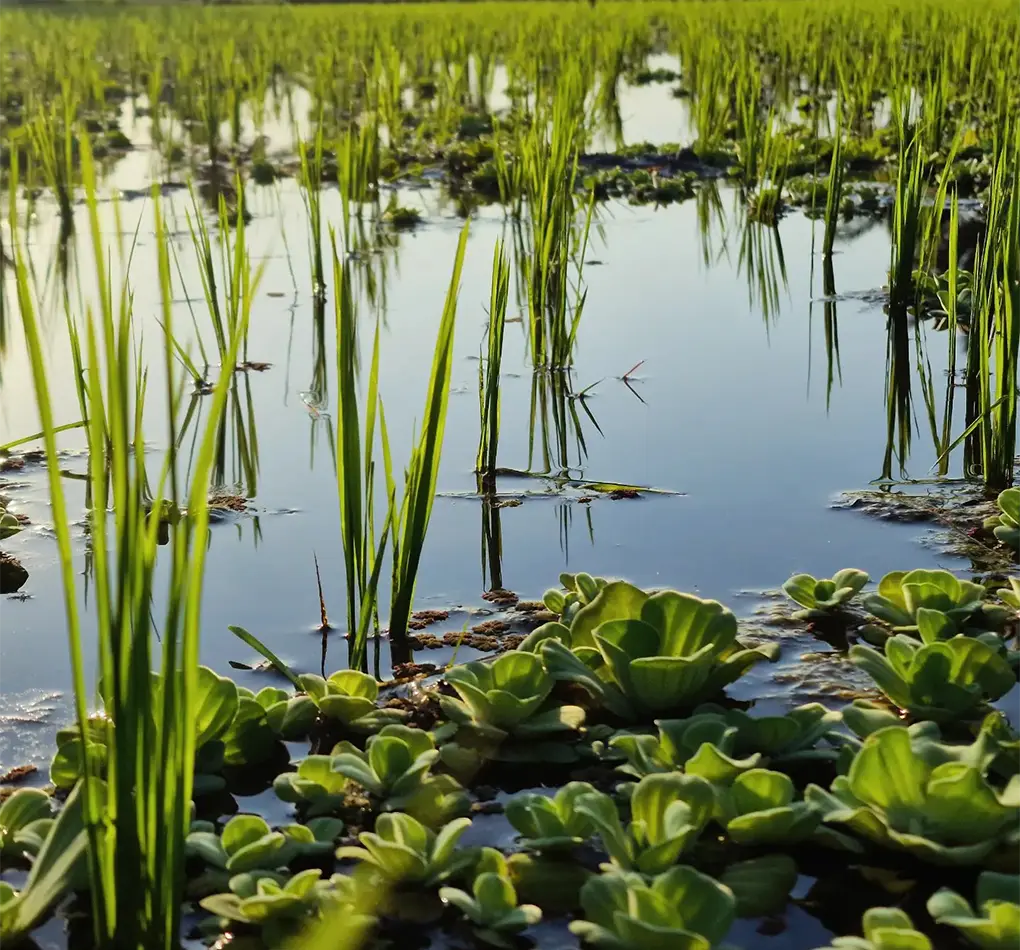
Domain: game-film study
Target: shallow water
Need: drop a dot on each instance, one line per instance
(728, 413)
(733, 408)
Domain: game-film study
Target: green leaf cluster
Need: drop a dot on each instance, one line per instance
(552, 823)
(638, 654)
(492, 906)
(825, 596)
(404, 850)
(936, 679)
(885, 928)
(925, 600)
(680, 909)
(395, 769)
(26, 819)
(349, 697)
(995, 925)
(923, 797)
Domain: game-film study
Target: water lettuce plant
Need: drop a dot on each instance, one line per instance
(349, 697)
(395, 769)
(277, 908)
(667, 815)
(823, 597)
(995, 924)
(314, 787)
(9, 524)
(551, 823)
(941, 680)
(403, 850)
(758, 808)
(247, 843)
(579, 590)
(885, 928)
(26, 818)
(701, 745)
(492, 906)
(908, 602)
(640, 654)
(680, 908)
(290, 717)
(57, 867)
(1006, 525)
(806, 733)
(900, 795)
(507, 699)
(718, 743)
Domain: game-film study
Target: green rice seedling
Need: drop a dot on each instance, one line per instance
(553, 241)
(52, 138)
(994, 340)
(311, 194)
(357, 157)
(136, 829)
(834, 190)
(422, 473)
(355, 468)
(489, 370)
(226, 272)
(907, 223)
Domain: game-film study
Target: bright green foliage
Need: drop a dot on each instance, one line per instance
(68, 761)
(278, 907)
(402, 849)
(668, 813)
(505, 698)
(314, 787)
(942, 680)
(231, 728)
(639, 654)
(247, 843)
(25, 821)
(822, 597)
(701, 745)
(805, 732)
(681, 909)
(492, 904)
(579, 591)
(885, 928)
(758, 808)
(290, 717)
(907, 797)
(9, 525)
(58, 867)
(718, 743)
(395, 770)
(551, 824)
(349, 697)
(1010, 596)
(1008, 528)
(909, 600)
(996, 923)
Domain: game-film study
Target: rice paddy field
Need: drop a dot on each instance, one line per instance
(510, 474)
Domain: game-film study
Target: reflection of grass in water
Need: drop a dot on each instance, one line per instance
(763, 265)
(555, 425)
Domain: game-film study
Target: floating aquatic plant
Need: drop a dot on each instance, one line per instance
(639, 654)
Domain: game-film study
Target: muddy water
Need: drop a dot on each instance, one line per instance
(738, 412)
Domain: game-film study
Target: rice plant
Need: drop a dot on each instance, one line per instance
(489, 366)
(356, 470)
(411, 521)
(137, 818)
